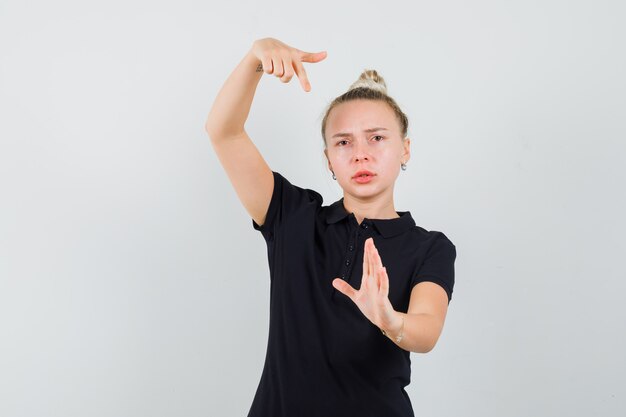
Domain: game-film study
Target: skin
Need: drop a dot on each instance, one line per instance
(380, 152)
(284, 61)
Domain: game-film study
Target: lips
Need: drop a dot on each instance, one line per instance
(363, 172)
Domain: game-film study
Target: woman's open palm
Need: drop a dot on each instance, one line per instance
(372, 298)
(284, 61)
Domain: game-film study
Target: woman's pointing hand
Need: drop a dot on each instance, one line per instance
(284, 61)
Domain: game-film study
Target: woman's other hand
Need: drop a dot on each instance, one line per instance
(283, 60)
(372, 298)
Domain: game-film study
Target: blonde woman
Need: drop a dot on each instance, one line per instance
(355, 285)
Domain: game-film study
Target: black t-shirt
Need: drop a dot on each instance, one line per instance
(324, 357)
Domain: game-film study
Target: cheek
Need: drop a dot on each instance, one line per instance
(342, 158)
(392, 155)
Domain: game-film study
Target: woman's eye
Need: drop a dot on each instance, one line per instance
(377, 136)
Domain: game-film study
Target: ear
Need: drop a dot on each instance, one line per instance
(406, 154)
(327, 159)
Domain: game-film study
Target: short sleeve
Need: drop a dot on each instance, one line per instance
(287, 199)
(438, 267)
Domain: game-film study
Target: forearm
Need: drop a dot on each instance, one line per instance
(232, 104)
(420, 331)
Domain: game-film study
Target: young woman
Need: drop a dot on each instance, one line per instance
(356, 285)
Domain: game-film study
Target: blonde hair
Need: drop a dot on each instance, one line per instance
(369, 86)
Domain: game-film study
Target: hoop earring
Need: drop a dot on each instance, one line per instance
(403, 166)
(335, 178)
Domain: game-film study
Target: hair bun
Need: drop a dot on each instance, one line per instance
(370, 79)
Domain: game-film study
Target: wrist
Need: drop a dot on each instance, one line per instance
(396, 330)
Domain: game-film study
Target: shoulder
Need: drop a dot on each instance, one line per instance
(430, 240)
(292, 190)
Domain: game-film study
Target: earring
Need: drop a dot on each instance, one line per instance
(403, 166)
(334, 175)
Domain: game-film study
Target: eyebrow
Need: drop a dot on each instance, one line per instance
(346, 134)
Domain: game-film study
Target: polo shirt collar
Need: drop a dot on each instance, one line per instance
(386, 227)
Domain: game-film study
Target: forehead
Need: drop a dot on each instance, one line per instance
(358, 115)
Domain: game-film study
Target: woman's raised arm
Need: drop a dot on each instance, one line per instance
(245, 166)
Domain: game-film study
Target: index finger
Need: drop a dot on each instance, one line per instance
(373, 261)
(301, 73)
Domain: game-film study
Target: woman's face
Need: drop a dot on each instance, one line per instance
(353, 145)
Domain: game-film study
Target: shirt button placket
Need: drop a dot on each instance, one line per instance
(360, 231)
(350, 249)
(351, 245)
(350, 253)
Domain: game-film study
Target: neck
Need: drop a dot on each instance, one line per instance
(371, 209)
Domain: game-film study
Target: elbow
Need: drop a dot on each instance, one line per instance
(217, 133)
(430, 347)
(212, 132)
(207, 128)
(212, 126)
(423, 348)
(432, 339)
(427, 329)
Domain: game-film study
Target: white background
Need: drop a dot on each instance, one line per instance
(133, 284)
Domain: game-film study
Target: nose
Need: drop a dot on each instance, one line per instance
(360, 151)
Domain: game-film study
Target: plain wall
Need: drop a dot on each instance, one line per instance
(133, 284)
